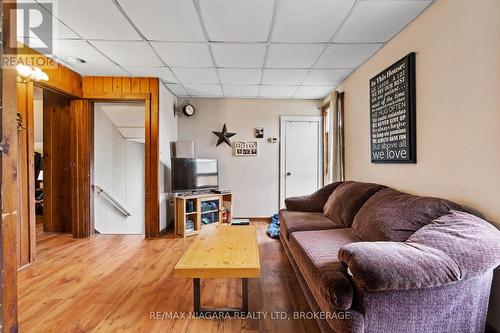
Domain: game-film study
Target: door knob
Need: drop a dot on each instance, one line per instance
(288, 173)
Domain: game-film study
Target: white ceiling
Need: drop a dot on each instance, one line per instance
(128, 118)
(229, 48)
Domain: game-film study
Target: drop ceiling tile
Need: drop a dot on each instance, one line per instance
(204, 90)
(240, 75)
(277, 91)
(132, 132)
(239, 55)
(325, 77)
(94, 19)
(346, 55)
(237, 20)
(165, 20)
(313, 92)
(61, 31)
(196, 75)
(240, 91)
(184, 54)
(64, 48)
(162, 73)
(86, 70)
(379, 21)
(128, 53)
(309, 21)
(283, 76)
(293, 55)
(177, 89)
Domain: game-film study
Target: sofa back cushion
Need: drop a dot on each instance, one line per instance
(390, 215)
(346, 200)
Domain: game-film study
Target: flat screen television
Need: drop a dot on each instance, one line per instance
(194, 174)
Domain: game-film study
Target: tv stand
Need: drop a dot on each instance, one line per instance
(195, 211)
(193, 193)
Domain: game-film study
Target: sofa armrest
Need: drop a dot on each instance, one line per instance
(380, 266)
(313, 202)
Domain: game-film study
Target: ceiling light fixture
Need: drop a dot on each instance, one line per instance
(76, 60)
(26, 73)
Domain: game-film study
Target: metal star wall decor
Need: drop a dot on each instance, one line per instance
(224, 136)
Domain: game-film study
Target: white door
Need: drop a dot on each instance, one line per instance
(300, 156)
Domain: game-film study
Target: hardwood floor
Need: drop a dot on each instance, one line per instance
(111, 283)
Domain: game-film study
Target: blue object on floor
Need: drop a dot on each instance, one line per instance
(273, 230)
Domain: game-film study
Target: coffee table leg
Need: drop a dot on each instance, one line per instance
(244, 294)
(196, 289)
(231, 311)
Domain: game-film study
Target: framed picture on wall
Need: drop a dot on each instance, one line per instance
(245, 148)
(393, 113)
(259, 132)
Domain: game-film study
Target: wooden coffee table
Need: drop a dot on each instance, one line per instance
(221, 251)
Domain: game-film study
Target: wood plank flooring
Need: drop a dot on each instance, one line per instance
(111, 283)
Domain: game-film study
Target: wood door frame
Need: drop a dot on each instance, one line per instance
(283, 120)
(82, 167)
(25, 173)
(151, 153)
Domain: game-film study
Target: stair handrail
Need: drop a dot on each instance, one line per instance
(117, 204)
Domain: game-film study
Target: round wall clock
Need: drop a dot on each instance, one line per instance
(188, 110)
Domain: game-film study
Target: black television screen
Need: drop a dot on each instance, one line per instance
(194, 174)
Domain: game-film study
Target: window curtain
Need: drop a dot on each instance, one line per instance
(336, 163)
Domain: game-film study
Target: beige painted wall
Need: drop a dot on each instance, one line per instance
(458, 111)
(458, 107)
(253, 180)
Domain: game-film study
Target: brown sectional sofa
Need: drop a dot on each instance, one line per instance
(373, 259)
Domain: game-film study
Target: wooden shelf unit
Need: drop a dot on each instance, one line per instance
(190, 208)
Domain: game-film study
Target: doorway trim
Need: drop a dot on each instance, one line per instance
(124, 89)
(283, 120)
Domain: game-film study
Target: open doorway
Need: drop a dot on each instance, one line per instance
(119, 167)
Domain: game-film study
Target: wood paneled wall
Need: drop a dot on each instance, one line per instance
(107, 87)
(82, 160)
(8, 197)
(64, 80)
(61, 78)
(26, 175)
(9, 204)
(57, 213)
(147, 90)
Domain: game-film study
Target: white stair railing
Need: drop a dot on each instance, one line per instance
(117, 204)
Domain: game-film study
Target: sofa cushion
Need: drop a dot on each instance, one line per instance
(451, 248)
(390, 215)
(346, 200)
(315, 253)
(291, 221)
(381, 266)
(313, 202)
(472, 243)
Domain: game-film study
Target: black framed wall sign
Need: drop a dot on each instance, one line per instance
(393, 113)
